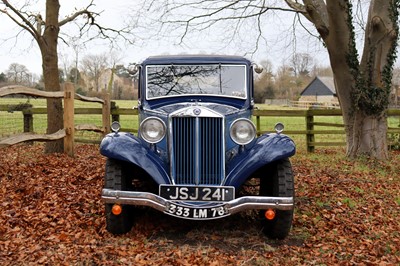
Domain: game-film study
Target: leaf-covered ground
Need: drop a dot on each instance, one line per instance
(347, 212)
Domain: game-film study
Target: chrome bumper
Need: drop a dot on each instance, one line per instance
(161, 204)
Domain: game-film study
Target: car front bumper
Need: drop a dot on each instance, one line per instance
(230, 207)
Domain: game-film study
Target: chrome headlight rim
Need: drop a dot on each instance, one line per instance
(145, 136)
(115, 127)
(252, 131)
(279, 127)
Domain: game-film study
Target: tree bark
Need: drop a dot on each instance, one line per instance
(373, 91)
(363, 88)
(48, 46)
(46, 33)
(368, 137)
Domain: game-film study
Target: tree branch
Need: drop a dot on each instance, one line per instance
(77, 14)
(207, 13)
(298, 8)
(27, 25)
(318, 15)
(103, 32)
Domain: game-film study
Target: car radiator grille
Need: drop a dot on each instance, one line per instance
(197, 150)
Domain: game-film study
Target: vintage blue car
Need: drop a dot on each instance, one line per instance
(197, 154)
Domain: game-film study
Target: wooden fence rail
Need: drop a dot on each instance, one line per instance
(68, 132)
(310, 129)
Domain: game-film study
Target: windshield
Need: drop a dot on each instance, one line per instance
(179, 80)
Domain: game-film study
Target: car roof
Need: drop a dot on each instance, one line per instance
(195, 59)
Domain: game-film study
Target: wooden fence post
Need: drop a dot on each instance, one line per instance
(310, 137)
(106, 114)
(28, 121)
(258, 126)
(114, 112)
(69, 95)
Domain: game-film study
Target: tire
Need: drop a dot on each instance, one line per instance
(116, 177)
(279, 182)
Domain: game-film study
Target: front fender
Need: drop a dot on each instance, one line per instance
(268, 148)
(127, 147)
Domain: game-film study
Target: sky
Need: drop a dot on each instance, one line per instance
(278, 47)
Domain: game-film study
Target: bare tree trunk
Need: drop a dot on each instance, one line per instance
(367, 137)
(35, 25)
(363, 88)
(365, 134)
(48, 46)
(374, 81)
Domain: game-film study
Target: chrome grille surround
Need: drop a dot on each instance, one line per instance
(197, 146)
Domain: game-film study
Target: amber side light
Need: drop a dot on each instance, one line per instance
(116, 209)
(270, 214)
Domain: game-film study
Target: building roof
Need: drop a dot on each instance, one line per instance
(320, 86)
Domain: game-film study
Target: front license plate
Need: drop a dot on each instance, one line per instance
(195, 213)
(197, 193)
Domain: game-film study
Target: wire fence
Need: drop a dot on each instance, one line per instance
(12, 110)
(11, 117)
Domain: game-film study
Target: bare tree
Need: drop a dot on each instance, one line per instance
(363, 86)
(323, 71)
(302, 64)
(285, 82)
(77, 46)
(46, 32)
(114, 59)
(94, 66)
(263, 83)
(18, 74)
(3, 78)
(65, 65)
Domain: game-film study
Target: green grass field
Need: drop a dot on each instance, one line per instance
(12, 122)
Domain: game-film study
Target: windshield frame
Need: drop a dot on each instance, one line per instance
(245, 82)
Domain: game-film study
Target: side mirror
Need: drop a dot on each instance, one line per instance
(258, 68)
(133, 69)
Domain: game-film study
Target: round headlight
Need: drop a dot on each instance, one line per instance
(279, 127)
(152, 129)
(243, 131)
(115, 126)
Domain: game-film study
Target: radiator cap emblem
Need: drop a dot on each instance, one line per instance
(196, 111)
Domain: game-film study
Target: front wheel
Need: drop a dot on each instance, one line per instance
(279, 182)
(117, 178)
